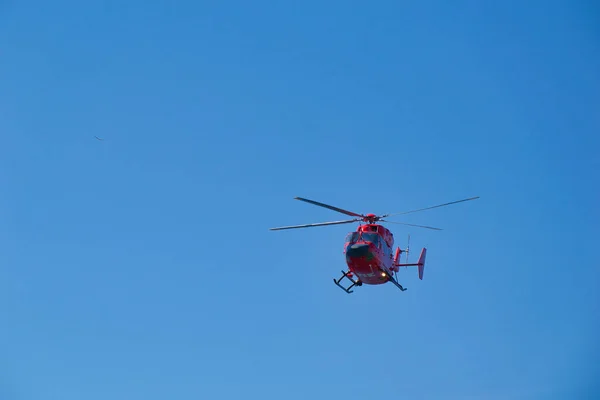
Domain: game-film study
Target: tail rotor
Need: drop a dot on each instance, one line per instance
(420, 264)
(403, 251)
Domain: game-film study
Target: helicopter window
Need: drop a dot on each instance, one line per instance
(366, 236)
(352, 237)
(387, 250)
(371, 237)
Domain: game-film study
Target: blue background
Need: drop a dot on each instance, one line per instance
(142, 267)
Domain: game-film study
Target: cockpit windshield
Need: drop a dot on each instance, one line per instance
(371, 237)
(367, 237)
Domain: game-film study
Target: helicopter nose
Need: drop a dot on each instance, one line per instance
(357, 250)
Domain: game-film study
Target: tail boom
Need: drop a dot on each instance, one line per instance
(420, 263)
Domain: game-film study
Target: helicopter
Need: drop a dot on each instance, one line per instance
(368, 250)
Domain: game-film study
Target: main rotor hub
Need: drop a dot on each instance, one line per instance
(371, 218)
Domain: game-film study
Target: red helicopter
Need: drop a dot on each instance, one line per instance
(369, 249)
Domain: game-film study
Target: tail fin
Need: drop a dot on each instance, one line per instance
(421, 263)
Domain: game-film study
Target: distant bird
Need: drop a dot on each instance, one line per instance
(98, 138)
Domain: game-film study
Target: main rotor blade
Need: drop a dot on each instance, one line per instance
(316, 203)
(317, 224)
(429, 208)
(418, 226)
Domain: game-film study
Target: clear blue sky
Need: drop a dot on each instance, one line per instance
(142, 267)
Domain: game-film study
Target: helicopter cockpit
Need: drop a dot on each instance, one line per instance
(355, 237)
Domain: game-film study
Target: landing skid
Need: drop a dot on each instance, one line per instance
(396, 283)
(349, 277)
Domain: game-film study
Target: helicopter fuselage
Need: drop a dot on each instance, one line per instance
(368, 253)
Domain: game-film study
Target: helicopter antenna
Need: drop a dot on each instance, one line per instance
(407, 248)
